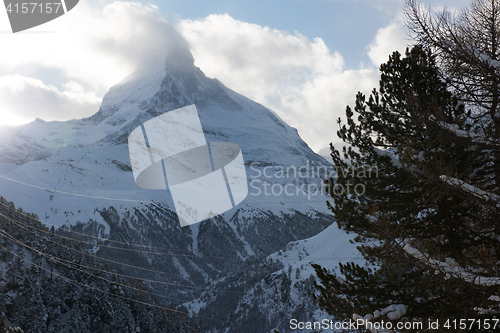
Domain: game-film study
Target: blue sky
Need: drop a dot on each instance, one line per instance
(304, 59)
(344, 26)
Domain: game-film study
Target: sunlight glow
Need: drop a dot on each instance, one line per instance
(8, 119)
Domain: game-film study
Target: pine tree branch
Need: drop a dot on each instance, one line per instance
(477, 192)
(393, 312)
(451, 268)
(475, 138)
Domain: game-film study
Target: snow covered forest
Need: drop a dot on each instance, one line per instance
(52, 282)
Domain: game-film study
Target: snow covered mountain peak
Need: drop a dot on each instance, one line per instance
(171, 57)
(166, 80)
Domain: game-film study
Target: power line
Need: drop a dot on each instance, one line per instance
(62, 261)
(123, 275)
(304, 193)
(105, 271)
(93, 256)
(130, 299)
(103, 239)
(69, 193)
(111, 272)
(151, 252)
(79, 270)
(119, 248)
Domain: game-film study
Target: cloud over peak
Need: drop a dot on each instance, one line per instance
(92, 48)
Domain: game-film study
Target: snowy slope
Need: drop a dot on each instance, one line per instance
(280, 288)
(327, 249)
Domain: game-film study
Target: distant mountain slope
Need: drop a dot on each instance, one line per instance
(279, 288)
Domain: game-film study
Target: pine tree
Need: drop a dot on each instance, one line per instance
(467, 48)
(4, 328)
(404, 187)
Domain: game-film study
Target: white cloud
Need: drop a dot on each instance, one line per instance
(387, 40)
(395, 37)
(300, 79)
(261, 56)
(93, 46)
(28, 98)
